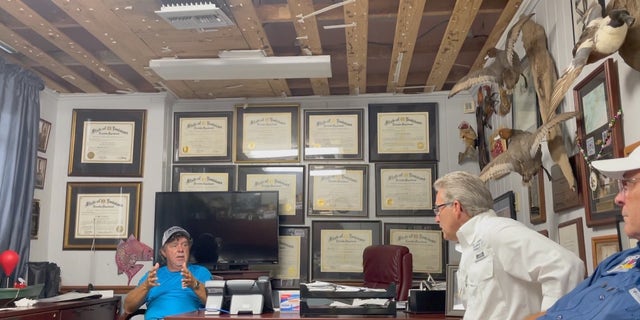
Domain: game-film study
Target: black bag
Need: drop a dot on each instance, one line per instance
(47, 273)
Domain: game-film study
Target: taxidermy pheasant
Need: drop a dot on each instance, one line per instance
(504, 70)
(602, 36)
(523, 154)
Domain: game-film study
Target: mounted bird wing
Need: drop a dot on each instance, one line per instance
(542, 131)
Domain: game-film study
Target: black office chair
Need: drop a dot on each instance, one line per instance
(138, 312)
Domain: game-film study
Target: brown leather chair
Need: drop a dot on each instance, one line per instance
(387, 264)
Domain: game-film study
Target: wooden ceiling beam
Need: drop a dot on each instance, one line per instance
(251, 28)
(98, 19)
(404, 42)
(308, 38)
(357, 14)
(501, 25)
(46, 30)
(460, 22)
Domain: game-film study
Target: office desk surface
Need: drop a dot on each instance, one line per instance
(296, 316)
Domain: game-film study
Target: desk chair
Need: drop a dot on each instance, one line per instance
(386, 264)
(140, 312)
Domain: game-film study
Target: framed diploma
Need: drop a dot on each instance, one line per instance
(99, 215)
(287, 180)
(338, 190)
(293, 261)
(602, 247)
(202, 136)
(403, 132)
(338, 246)
(107, 142)
(599, 136)
(267, 133)
(405, 189)
(571, 236)
(203, 178)
(425, 243)
(333, 135)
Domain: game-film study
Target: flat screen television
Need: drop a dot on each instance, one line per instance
(230, 230)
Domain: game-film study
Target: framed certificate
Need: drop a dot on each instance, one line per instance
(403, 132)
(107, 142)
(338, 190)
(203, 178)
(99, 215)
(267, 133)
(202, 136)
(338, 246)
(287, 180)
(599, 136)
(405, 189)
(425, 242)
(571, 236)
(604, 246)
(293, 261)
(333, 135)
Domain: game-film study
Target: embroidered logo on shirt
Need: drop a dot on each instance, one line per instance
(478, 250)
(626, 265)
(635, 293)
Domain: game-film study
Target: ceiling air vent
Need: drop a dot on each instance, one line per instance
(201, 16)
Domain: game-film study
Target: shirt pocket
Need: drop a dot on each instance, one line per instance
(478, 275)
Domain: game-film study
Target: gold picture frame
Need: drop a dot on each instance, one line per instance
(604, 246)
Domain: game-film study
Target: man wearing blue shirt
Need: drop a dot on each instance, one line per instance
(613, 291)
(175, 288)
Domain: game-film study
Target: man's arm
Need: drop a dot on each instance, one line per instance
(135, 298)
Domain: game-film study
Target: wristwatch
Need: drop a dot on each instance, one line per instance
(197, 285)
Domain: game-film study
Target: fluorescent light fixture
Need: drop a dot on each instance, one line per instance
(249, 65)
(201, 16)
(340, 26)
(7, 48)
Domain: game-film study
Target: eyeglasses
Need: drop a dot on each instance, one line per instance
(623, 184)
(438, 207)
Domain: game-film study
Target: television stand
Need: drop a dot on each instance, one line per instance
(240, 274)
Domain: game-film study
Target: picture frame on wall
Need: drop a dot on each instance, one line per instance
(505, 205)
(403, 132)
(624, 241)
(41, 172)
(333, 134)
(599, 136)
(203, 178)
(202, 136)
(571, 236)
(98, 215)
(35, 219)
(537, 203)
(564, 198)
(425, 243)
(267, 133)
(289, 181)
(333, 258)
(44, 130)
(338, 190)
(405, 189)
(107, 142)
(604, 246)
(453, 301)
(294, 256)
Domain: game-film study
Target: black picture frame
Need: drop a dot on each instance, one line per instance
(203, 178)
(350, 253)
(454, 306)
(44, 131)
(111, 129)
(419, 237)
(599, 136)
(333, 134)
(390, 123)
(338, 190)
(271, 120)
(505, 205)
(405, 189)
(83, 232)
(277, 178)
(202, 136)
(41, 173)
(280, 283)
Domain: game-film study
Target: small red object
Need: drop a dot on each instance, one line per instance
(9, 260)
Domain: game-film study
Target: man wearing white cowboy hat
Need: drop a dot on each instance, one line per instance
(613, 290)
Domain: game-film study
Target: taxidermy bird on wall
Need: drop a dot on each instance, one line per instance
(470, 139)
(602, 36)
(504, 70)
(630, 48)
(523, 154)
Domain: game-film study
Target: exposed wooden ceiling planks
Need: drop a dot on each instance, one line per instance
(357, 15)
(404, 42)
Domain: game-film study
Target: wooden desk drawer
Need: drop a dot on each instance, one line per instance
(50, 315)
(102, 311)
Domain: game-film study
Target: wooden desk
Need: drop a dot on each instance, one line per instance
(296, 316)
(93, 309)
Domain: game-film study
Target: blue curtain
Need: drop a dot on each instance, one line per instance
(19, 118)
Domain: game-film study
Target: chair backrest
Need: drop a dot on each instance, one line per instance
(387, 264)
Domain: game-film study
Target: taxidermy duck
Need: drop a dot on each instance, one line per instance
(602, 36)
(630, 49)
(523, 154)
(504, 70)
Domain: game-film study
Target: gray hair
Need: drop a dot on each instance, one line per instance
(468, 189)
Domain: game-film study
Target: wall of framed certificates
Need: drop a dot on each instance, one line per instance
(333, 193)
